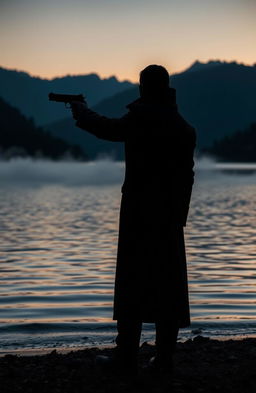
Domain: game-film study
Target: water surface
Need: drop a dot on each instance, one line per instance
(58, 247)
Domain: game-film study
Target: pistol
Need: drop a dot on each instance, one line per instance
(66, 98)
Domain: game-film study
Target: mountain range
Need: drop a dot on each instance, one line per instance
(217, 98)
(30, 94)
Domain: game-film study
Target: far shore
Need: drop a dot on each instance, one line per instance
(200, 365)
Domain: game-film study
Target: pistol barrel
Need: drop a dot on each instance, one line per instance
(66, 98)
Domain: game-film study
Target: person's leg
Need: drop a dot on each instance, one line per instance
(128, 341)
(124, 360)
(166, 338)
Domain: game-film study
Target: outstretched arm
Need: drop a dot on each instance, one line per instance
(102, 127)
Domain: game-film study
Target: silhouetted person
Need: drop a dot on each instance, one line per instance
(151, 276)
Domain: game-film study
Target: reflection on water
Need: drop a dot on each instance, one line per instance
(57, 260)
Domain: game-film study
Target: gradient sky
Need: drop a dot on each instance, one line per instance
(50, 38)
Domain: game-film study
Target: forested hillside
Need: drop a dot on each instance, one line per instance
(20, 137)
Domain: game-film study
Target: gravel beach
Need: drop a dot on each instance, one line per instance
(200, 365)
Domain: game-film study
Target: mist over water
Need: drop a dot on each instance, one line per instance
(38, 172)
(29, 172)
(59, 228)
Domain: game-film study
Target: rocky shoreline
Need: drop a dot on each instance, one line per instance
(200, 365)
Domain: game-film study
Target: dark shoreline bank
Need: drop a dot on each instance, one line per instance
(200, 365)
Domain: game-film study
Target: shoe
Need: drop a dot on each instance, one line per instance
(122, 367)
(158, 365)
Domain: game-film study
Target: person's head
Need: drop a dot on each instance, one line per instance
(154, 81)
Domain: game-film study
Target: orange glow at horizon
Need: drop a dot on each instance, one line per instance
(50, 40)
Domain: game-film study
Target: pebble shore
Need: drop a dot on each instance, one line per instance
(200, 365)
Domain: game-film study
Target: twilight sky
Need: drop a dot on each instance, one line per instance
(50, 38)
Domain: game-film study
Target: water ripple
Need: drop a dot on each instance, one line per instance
(58, 250)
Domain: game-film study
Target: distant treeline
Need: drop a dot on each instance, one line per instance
(239, 146)
(20, 137)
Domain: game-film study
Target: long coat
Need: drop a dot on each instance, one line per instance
(151, 274)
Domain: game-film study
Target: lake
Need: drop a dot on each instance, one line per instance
(59, 227)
